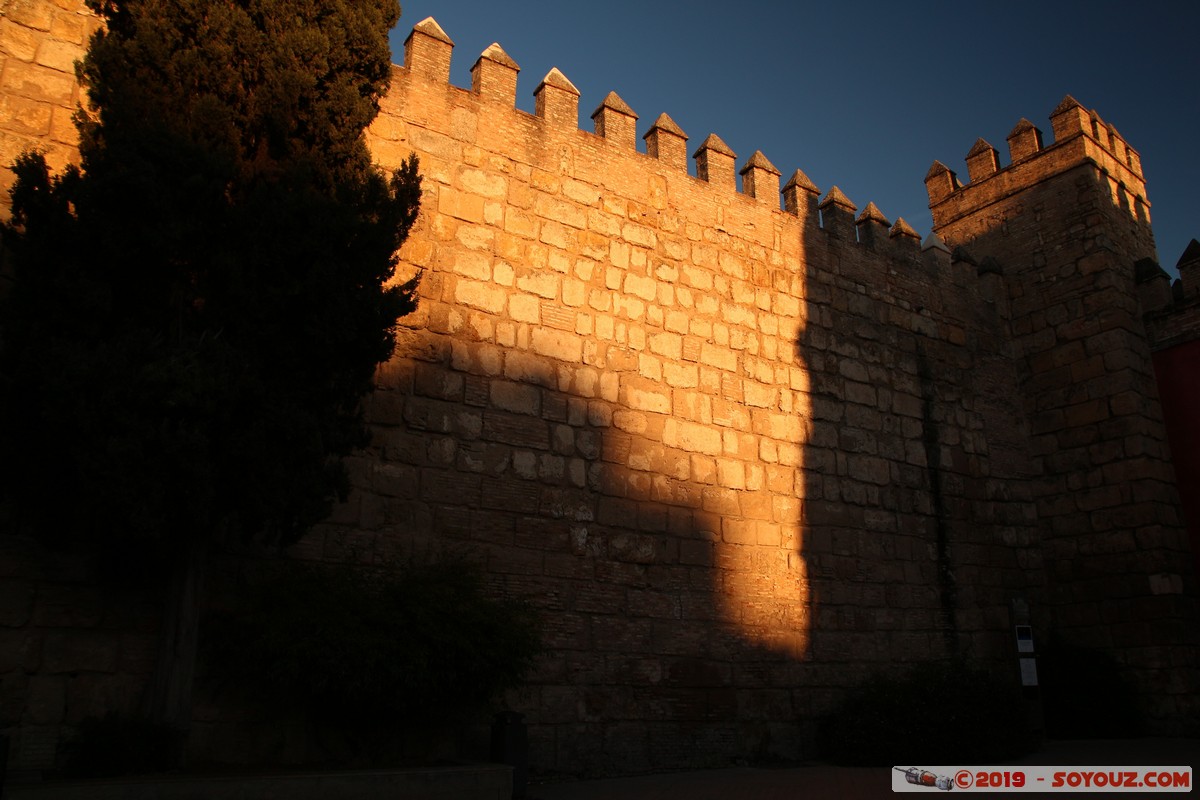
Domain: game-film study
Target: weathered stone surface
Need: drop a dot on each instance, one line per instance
(78, 651)
(16, 602)
(46, 701)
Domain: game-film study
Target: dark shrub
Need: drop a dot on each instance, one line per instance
(377, 651)
(937, 714)
(1084, 695)
(116, 745)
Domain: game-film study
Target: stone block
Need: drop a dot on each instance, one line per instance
(530, 368)
(24, 116)
(484, 296)
(79, 651)
(67, 25)
(36, 14)
(46, 701)
(461, 205)
(16, 602)
(646, 396)
(68, 606)
(37, 746)
(516, 397)
(59, 55)
(557, 344)
(16, 40)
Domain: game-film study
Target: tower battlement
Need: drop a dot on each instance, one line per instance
(1080, 137)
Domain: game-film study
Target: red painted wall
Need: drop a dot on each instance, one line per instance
(1178, 372)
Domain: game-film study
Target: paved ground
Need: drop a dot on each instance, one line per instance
(861, 784)
(817, 781)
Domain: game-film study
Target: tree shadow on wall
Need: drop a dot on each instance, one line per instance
(673, 612)
(719, 563)
(715, 567)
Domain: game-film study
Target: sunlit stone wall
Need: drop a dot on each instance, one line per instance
(743, 454)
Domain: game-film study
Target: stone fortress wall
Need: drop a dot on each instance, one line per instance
(743, 457)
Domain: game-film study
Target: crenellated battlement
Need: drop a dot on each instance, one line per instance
(494, 75)
(428, 52)
(1172, 310)
(1080, 137)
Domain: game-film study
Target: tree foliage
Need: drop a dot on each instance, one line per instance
(940, 710)
(380, 652)
(198, 309)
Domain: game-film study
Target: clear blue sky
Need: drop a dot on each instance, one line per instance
(865, 95)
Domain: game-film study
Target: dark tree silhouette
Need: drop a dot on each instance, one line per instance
(197, 311)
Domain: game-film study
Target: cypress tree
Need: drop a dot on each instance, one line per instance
(198, 309)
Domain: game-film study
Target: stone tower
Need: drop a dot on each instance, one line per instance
(1068, 224)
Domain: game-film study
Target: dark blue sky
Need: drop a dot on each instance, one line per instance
(866, 95)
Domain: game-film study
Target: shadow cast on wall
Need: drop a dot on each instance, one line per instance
(669, 580)
(742, 464)
(919, 526)
(710, 588)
